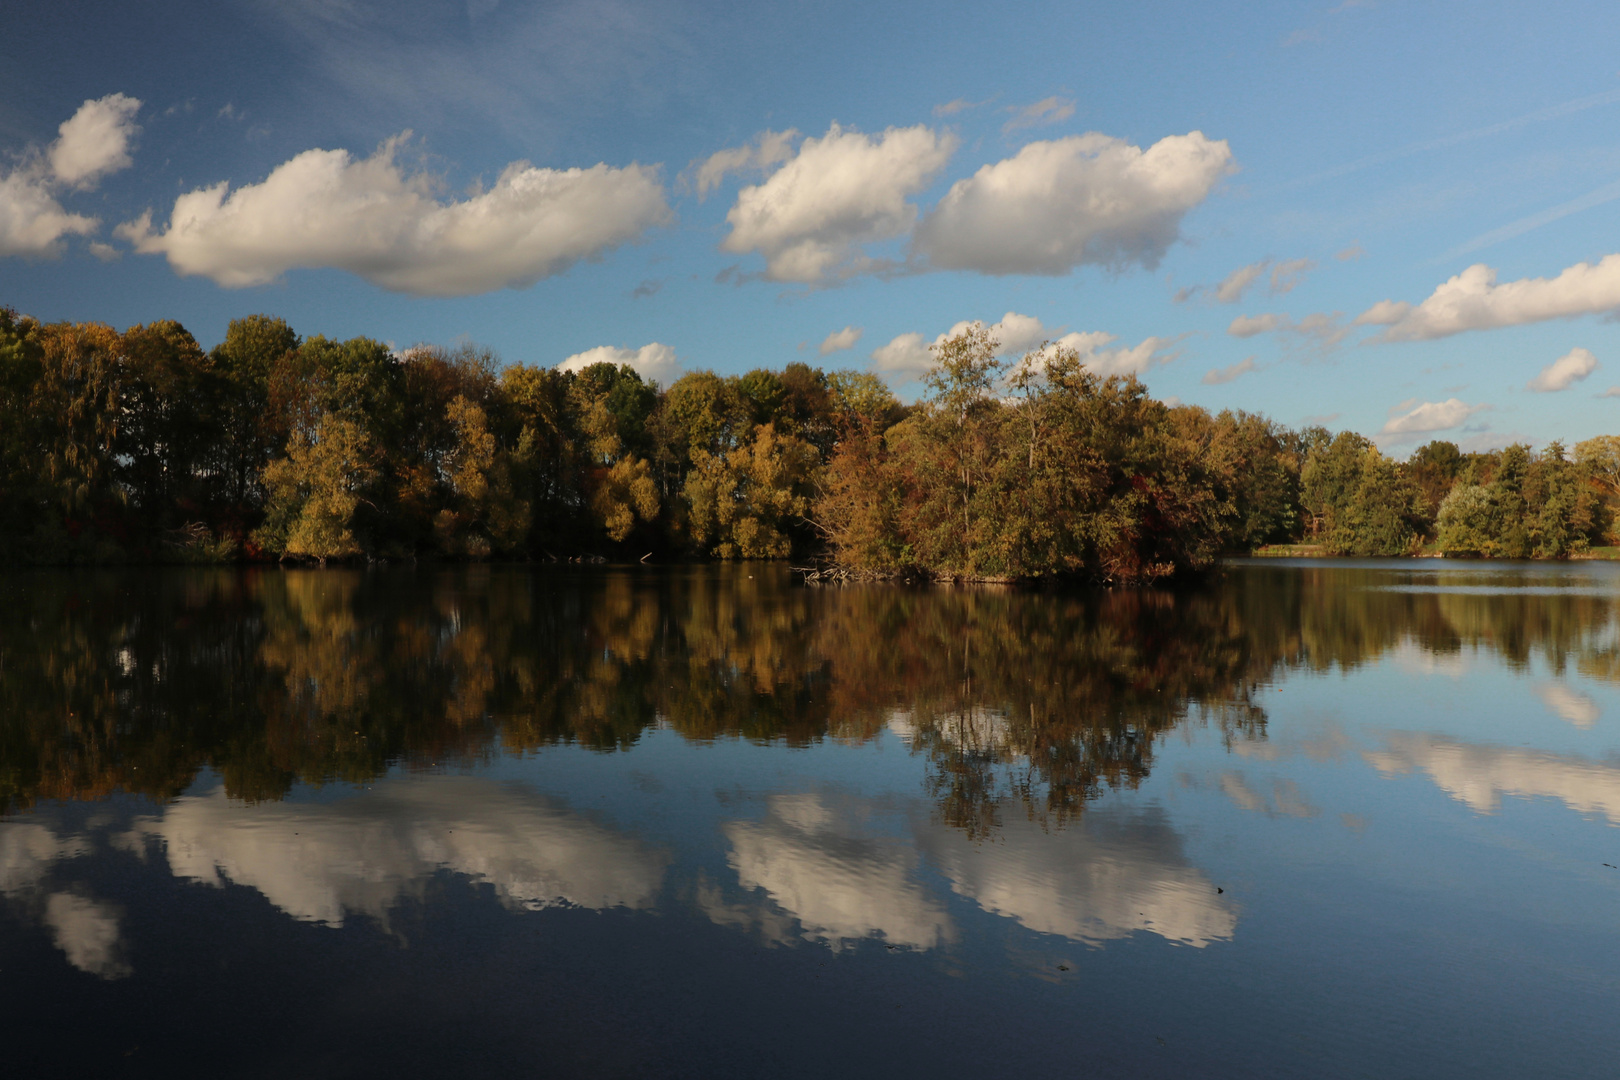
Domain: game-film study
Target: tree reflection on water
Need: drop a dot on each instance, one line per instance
(1028, 704)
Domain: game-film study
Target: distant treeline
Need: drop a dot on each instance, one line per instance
(142, 446)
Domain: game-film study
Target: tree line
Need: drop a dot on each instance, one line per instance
(142, 446)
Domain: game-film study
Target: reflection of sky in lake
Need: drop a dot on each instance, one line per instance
(1401, 871)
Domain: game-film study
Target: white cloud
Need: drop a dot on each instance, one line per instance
(1564, 372)
(1421, 417)
(910, 356)
(652, 361)
(769, 149)
(1351, 253)
(1247, 326)
(1086, 199)
(907, 356)
(1217, 376)
(1235, 284)
(1050, 110)
(95, 141)
(32, 222)
(839, 340)
(842, 190)
(1102, 361)
(1014, 333)
(324, 208)
(1474, 301)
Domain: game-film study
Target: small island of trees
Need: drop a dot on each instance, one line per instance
(141, 446)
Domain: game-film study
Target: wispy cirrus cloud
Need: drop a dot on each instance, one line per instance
(1219, 376)
(1050, 110)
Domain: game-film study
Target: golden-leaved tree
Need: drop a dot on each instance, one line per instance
(745, 503)
(314, 491)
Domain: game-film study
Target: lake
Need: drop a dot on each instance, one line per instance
(1313, 819)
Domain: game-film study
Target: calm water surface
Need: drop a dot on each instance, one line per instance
(1318, 819)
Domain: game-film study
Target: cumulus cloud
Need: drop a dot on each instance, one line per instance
(1097, 358)
(32, 222)
(1474, 301)
(769, 149)
(907, 356)
(652, 361)
(1417, 418)
(839, 340)
(1564, 372)
(1050, 110)
(836, 193)
(1217, 376)
(92, 143)
(1014, 333)
(325, 208)
(1086, 199)
(95, 141)
(911, 355)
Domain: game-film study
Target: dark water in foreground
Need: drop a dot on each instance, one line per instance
(1316, 820)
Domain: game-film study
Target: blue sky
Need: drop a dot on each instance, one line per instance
(1219, 197)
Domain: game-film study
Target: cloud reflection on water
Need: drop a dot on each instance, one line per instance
(1479, 775)
(319, 862)
(86, 929)
(1109, 875)
(1103, 878)
(842, 886)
